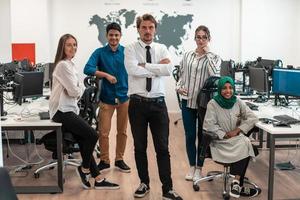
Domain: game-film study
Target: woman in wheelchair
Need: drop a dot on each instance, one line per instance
(65, 92)
(230, 118)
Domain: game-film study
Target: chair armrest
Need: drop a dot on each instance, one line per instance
(210, 135)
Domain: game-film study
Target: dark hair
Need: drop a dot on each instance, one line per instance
(60, 52)
(113, 26)
(203, 28)
(145, 17)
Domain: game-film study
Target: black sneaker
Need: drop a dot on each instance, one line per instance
(106, 185)
(84, 177)
(171, 195)
(235, 189)
(142, 190)
(250, 192)
(103, 166)
(121, 165)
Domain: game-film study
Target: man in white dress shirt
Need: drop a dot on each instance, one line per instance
(147, 64)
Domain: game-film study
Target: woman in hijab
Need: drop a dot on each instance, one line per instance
(230, 118)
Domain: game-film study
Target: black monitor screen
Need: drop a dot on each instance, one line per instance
(227, 69)
(258, 79)
(28, 84)
(286, 81)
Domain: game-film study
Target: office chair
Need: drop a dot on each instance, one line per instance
(175, 74)
(88, 104)
(209, 137)
(70, 146)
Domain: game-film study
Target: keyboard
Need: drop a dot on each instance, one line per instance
(251, 105)
(286, 119)
(44, 115)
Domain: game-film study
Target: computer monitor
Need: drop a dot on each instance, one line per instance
(28, 85)
(258, 79)
(227, 69)
(286, 82)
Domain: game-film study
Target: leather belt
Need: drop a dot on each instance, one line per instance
(146, 99)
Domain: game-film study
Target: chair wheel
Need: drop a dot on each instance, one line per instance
(226, 196)
(196, 187)
(36, 175)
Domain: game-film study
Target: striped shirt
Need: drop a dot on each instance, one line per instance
(193, 72)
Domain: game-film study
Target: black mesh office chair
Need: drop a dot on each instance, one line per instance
(209, 137)
(88, 104)
(70, 146)
(175, 74)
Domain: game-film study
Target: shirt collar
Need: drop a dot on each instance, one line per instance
(195, 53)
(143, 44)
(70, 61)
(107, 47)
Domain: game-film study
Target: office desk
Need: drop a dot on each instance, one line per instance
(275, 133)
(34, 123)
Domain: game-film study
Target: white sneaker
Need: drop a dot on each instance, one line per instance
(197, 174)
(189, 176)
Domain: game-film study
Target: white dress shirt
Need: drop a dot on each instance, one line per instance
(66, 88)
(135, 53)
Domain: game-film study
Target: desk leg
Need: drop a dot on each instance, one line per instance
(260, 138)
(59, 159)
(271, 167)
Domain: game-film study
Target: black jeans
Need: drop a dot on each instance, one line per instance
(141, 113)
(84, 134)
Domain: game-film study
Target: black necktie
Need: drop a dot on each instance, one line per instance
(148, 60)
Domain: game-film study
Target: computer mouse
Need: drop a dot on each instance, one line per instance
(265, 120)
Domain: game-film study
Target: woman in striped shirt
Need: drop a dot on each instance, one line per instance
(196, 66)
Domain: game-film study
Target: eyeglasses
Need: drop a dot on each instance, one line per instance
(198, 37)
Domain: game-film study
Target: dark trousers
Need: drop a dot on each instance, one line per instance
(190, 117)
(84, 134)
(154, 113)
(239, 168)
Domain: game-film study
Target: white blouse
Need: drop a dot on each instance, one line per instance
(66, 88)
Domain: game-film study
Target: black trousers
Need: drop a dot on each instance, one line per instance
(154, 113)
(84, 134)
(240, 168)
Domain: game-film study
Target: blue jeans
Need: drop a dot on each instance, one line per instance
(190, 117)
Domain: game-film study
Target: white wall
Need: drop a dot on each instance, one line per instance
(241, 30)
(5, 31)
(30, 24)
(211, 14)
(270, 29)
